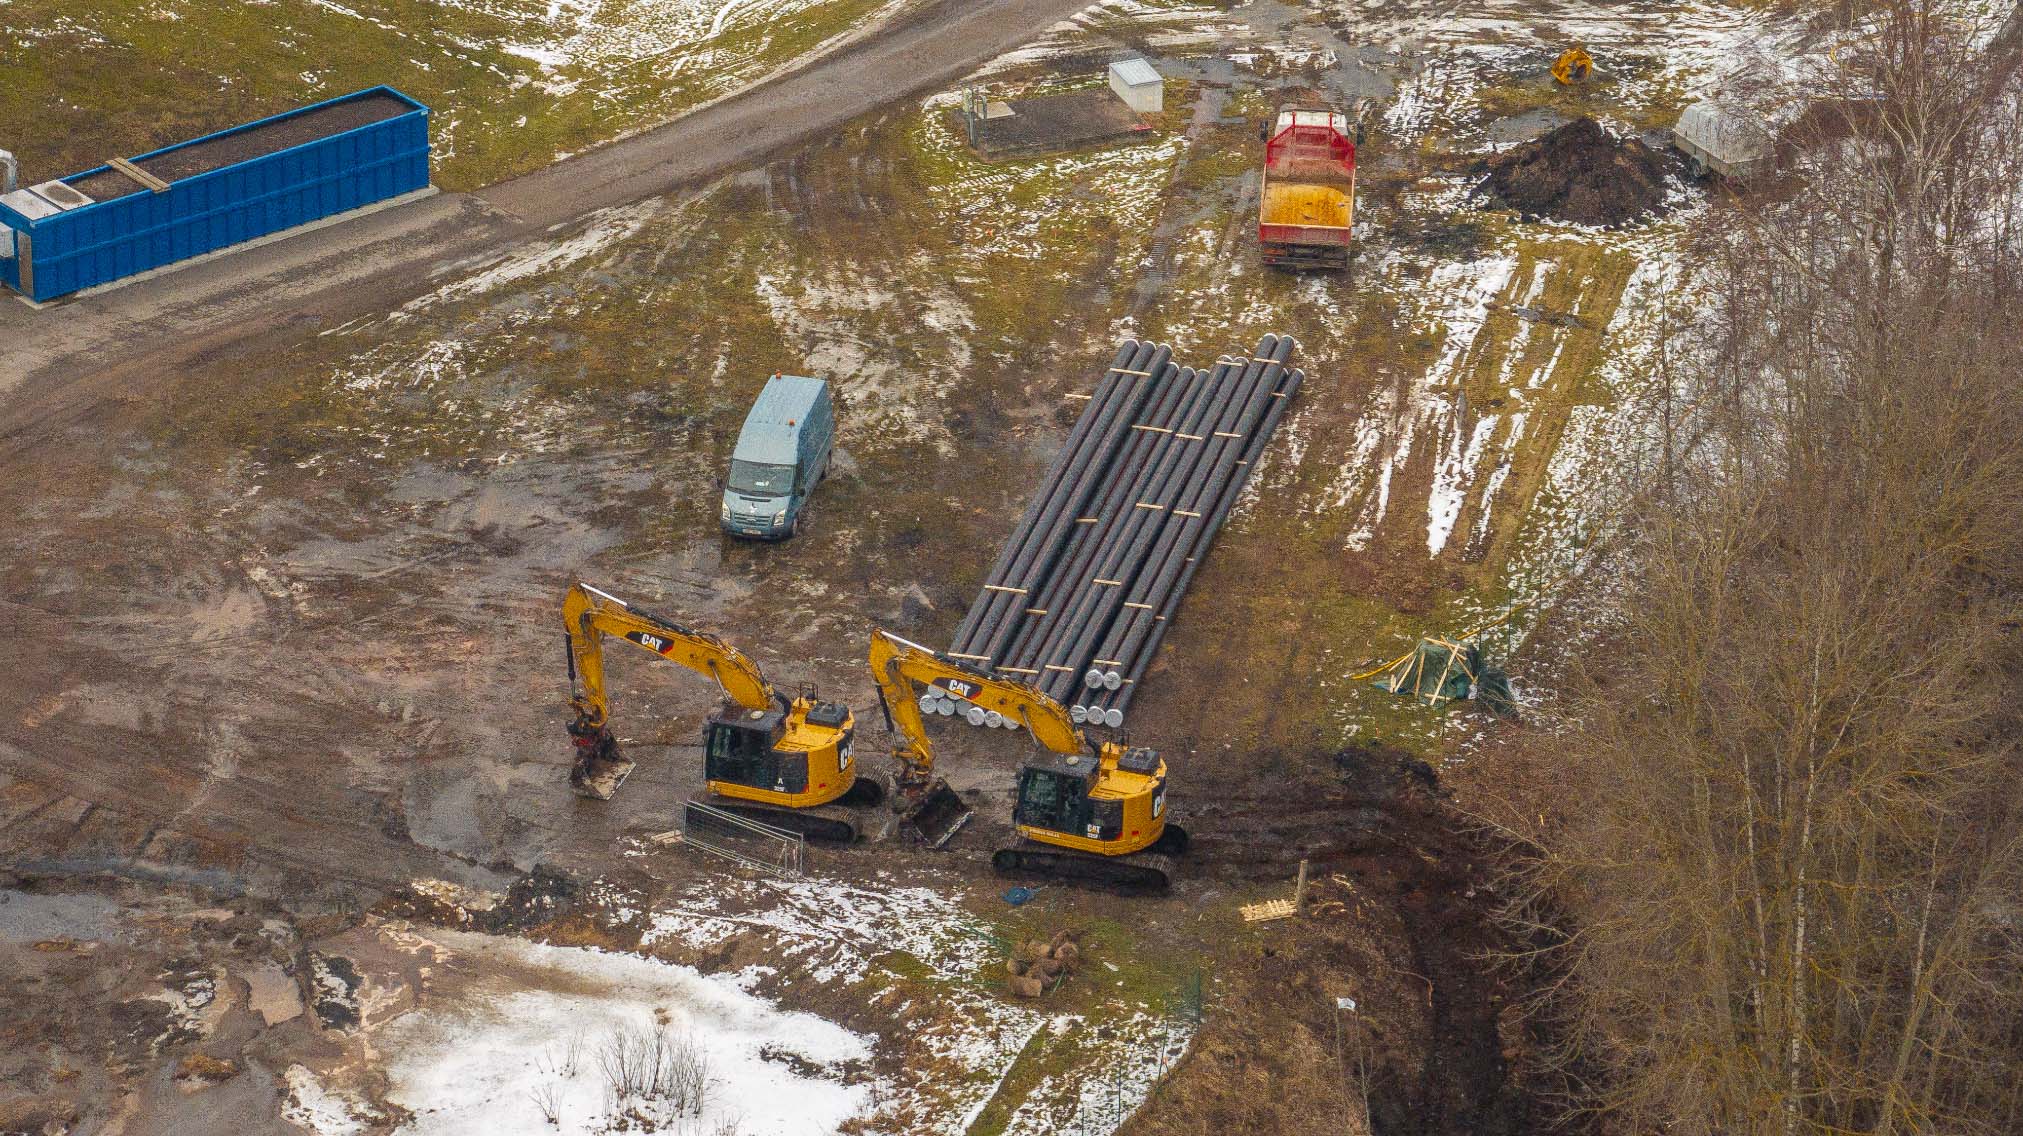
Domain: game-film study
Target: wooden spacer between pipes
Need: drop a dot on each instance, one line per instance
(1147, 505)
(1002, 588)
(1122, 371)
(1019, 670)
(1190, 437)
(1140, 607)
(1226, 434)
(960, 655)
(1052, 667)
(1109, 583)
(1185, 513)
(1153, 429)
(1036, 611)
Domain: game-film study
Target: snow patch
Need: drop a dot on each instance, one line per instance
(496, 1059)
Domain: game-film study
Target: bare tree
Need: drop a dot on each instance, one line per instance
(1784, 881)
(656, 1073)
(547, 1096)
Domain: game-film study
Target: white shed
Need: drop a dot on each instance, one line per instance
(1138, 85)
(1730, 141)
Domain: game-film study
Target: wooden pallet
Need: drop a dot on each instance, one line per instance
(1269, 909)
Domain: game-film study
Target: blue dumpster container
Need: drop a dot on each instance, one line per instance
(195, 197)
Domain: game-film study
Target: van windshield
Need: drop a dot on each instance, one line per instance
(757, 479)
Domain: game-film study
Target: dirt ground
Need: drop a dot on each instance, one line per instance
(286, 691)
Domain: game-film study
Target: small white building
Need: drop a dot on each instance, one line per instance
(1141, 87)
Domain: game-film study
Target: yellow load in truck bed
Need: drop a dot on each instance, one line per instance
(1298, 203)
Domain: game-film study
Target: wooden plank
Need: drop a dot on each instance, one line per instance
(144, 178)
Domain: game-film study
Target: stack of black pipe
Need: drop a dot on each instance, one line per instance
(1088, 583)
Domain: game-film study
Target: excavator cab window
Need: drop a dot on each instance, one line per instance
(1057, 799)
(740, 750)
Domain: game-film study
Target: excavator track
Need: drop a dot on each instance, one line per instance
(828, 824)
(1143, 873)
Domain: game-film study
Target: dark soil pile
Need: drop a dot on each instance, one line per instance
(1579, 173)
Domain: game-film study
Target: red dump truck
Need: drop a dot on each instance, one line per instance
(1309, 199)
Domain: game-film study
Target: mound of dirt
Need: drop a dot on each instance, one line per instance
(1579, 173)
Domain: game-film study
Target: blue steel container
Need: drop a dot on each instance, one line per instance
(265, 193)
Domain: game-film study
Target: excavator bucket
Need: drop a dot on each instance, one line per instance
(600, 769)
(934, 815)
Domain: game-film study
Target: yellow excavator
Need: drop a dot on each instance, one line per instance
(1082, 813)
(767, 757)
(1574, 65)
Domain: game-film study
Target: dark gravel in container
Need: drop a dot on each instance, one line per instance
(241, 145)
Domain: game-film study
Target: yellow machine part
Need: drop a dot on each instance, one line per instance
(1574, 65)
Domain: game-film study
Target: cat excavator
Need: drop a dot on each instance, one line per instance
(1082, 813)
(767, 757)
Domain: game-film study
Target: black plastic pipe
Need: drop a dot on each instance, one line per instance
(1126, 554)
(1163, 562)
(1261, 376)
(1005, 593)
(1052, 536)
(1115, 391)
(1070, 454)
(1058, 592)
(1062, 623)
(1141, 659)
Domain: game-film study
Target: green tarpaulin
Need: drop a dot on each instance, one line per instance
(1438, 672)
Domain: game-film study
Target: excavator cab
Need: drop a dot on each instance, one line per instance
(738, 748)
(779, 757)
(1055, 795)
(1112, 803)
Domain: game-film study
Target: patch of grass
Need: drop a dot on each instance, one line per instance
(89, 79)
(1044, 1054)
(905, 966)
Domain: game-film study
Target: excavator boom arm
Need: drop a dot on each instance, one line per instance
(590, 615)
(900, 666)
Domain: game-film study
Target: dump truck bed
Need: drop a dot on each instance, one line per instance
(1307, 208)
(1301, 205)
